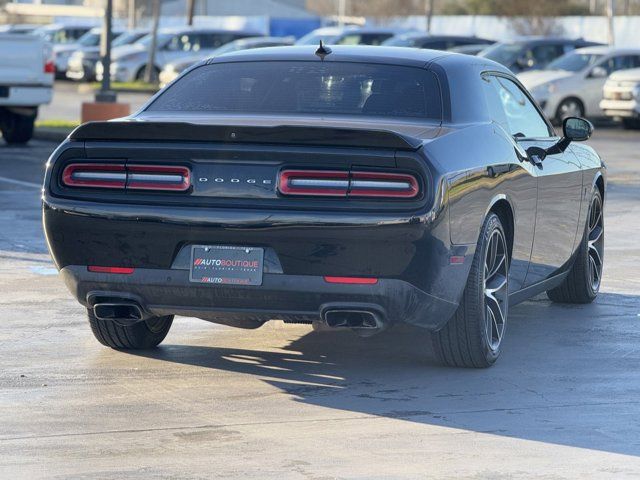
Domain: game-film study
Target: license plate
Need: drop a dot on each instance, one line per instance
(226, 265)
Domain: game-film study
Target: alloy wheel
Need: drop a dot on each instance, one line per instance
(569, 108)
(496, 270)
(595, 243)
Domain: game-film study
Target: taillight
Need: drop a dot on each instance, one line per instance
(158, 177)
(96, 175)
(348, 184)
(49, 66)
(376, 184)
(311, 182)
(127, 177)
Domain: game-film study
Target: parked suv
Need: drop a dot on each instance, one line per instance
(621, 97)
(434, 42)
(572, 85)
(532, 53)
(129, 61)
(65, 41)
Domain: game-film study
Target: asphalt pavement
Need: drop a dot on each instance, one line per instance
(287, 402)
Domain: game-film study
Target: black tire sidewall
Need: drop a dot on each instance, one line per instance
(492, 222)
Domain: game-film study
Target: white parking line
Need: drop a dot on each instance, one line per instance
(20, 182)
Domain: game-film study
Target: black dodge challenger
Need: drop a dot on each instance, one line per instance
(357, 187)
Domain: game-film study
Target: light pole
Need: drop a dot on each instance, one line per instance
(105, 94)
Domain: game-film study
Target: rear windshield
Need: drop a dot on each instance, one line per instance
(304, 88)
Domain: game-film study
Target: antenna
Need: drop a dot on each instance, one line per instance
(322, 51)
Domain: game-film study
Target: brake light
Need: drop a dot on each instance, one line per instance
(49, 66)
(127, 177)
(97, 175)
(377, 184)
(118, 270)
(311, 182)
(348, 184)
(158, 177)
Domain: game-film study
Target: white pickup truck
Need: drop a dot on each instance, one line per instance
(26, 82)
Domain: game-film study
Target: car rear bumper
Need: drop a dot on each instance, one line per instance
(27, 96)
(288, 297)
(620, 108)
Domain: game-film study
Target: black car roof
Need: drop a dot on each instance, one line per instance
(355, 53)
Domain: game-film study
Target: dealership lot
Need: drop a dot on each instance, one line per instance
(286, 402)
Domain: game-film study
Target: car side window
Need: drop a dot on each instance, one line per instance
(544, 54)
(621, 62)
(510, 107)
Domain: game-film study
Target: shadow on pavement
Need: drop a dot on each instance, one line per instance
(567, 376)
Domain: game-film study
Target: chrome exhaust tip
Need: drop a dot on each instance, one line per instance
(122, 313)
(355, 319)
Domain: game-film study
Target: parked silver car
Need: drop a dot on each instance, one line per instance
(621, 97)
(129, 61)
(65, 40)
(173, 69)
(572, 85)
(349, 35)
(82, 62)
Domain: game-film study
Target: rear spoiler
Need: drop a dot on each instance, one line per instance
(290, 135)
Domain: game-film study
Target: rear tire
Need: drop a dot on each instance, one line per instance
(141, 335)
(583, 281)
(569, 107)
(473, 336)
(17, 129)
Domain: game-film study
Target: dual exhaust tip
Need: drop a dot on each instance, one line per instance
(124, 313)
(365, 321)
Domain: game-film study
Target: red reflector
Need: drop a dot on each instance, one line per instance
(99, 175)
(456, 259)
(120, 270)
(352, 280)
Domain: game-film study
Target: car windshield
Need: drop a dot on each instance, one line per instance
(574, 62)
(127, 38)
(305, 88)
(504, 53)
(89, 39)
(162, 39)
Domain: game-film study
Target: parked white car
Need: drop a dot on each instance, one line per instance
(130, 61)
(621, 97)
(26, 82)
(571, 86)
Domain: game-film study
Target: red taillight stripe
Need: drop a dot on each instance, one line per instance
(348, 184)
(352, 280)
(119, 270)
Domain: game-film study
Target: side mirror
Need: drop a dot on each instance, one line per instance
(598, 72)
(577, 129)
(574, 129)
